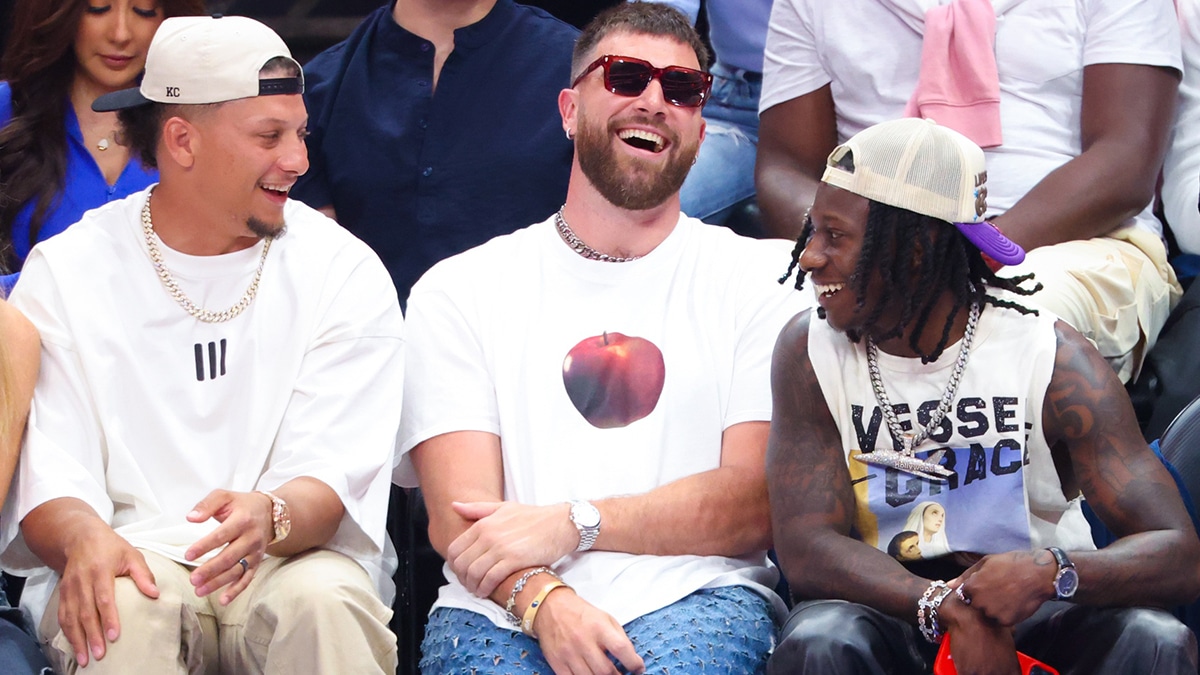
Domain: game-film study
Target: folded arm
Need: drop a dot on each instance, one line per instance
(794, 140)
(1125, 122)
(465, 467)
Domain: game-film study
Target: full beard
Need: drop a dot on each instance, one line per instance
(637, 187)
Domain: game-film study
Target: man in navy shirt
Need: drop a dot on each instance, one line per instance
(435, 127)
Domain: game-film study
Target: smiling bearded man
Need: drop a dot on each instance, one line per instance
(631, 182)
(206, 468)
(587, 405)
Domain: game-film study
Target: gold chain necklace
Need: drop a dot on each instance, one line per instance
(172, 286)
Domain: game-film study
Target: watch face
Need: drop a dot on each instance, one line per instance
(1066, 582)
(585, 515)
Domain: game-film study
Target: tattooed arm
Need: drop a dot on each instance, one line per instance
(1090, 426)
(1088, 412)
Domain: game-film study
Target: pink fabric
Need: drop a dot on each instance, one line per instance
(959, 86)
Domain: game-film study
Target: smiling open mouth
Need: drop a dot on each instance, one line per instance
(828, 290)
(644, 140)
(278, 189)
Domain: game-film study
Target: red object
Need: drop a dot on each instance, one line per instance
(613, 379)
(944, 664)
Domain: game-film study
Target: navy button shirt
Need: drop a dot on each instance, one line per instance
(422, 174)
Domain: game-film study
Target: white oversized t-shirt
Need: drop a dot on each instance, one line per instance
(141, 410)
(509, 338)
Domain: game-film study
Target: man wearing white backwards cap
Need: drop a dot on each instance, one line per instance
(924, 403)
(206, 469)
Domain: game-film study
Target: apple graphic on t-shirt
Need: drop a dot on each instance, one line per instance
(614, 379)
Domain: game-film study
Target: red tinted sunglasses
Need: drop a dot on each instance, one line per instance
(627, 76)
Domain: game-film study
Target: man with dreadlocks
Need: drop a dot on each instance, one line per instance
(945, 390)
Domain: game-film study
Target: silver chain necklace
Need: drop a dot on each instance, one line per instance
(581, 248)
(172, 286)
(905, 460)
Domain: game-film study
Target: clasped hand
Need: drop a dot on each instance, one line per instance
(1002, 590)
(505, 537)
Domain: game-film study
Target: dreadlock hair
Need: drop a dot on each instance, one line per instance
(919, 258)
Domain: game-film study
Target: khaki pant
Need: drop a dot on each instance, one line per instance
(316, 612)
(1116, 290)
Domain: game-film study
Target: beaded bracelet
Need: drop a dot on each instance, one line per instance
(927, 609)
(532, 610)
(517, 588)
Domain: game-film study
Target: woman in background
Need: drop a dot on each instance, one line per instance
(59, 159)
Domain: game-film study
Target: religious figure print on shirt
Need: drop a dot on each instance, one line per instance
(614, 379)
(981, 509)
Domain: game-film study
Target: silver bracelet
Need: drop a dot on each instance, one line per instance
(927, 609)
(517, 588)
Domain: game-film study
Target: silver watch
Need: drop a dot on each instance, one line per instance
(587, 520)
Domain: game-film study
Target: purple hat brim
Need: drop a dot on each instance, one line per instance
(992, 241)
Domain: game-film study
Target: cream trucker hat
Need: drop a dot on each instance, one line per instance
(917, 165)
(207, 59)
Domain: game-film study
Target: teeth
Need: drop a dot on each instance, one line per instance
(828, 289)
(277, 188)
(648, 136)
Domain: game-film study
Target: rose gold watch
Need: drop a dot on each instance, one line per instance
(281, 518)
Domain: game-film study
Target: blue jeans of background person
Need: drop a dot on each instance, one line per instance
(20, 653)
(724, 172)
(728, 630)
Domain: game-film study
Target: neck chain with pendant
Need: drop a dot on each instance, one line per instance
(905, 460)
(172, 286)
(581, 248)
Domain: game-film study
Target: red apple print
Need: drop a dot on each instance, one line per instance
(613, 379)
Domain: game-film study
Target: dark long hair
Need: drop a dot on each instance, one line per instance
(948, 263)
(39, 64)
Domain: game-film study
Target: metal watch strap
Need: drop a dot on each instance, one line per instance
(587, 533)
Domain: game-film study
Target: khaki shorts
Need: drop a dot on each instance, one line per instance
(1116, 290)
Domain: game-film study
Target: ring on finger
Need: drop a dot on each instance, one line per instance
(246, 567)
(962, 595)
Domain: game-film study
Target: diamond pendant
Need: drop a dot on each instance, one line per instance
(102, 144)
(925, 468)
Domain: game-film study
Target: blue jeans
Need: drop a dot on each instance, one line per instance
(728, 630)
(20, 653)
(724, 172)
